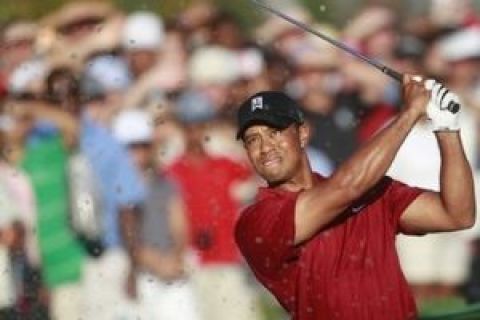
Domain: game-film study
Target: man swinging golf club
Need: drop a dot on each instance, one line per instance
(325, 247)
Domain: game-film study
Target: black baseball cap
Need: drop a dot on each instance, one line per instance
(272, 108)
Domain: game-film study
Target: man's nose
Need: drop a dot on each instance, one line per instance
(266, 146)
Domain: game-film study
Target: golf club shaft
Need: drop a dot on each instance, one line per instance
(392, 73)
(452, 107)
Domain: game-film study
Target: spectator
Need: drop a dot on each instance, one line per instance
(48, 138)
(143, 37)
(164, 290)
(121, 192)
(157, 59)
(19, 207)
(212, 210)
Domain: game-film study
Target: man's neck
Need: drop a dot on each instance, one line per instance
(303, 180)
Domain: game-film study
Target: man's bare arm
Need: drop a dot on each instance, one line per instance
(318, 206)
(453, 208)
(129, 228)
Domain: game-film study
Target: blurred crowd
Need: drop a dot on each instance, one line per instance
(121, 178)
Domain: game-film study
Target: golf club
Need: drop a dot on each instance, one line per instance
(452, 107)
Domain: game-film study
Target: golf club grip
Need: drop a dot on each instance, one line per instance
(453, 107)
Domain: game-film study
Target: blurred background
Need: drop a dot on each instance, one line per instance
(121, 179)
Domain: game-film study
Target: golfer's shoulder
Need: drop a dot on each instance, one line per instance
(266, 206)
(252, 222)
(252, 211)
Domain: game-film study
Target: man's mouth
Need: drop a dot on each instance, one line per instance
(271, 161)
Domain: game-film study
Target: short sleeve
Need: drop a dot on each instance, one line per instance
(112, 164)
(399, 197)
(265, 234)
(127, 182)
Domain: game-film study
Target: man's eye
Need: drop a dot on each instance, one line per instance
(250, 141)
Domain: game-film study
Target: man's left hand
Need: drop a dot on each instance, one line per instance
(437, 109)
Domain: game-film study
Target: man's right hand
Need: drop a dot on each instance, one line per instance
(415, 95)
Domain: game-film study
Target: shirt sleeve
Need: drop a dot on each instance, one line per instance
(112, 163)
(265, 234)
(127, 183)
(400, 196)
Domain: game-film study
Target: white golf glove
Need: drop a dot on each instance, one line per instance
(437, 108)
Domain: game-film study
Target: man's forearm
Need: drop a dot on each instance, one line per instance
(129, 230)
(356, 176)
(456, 180)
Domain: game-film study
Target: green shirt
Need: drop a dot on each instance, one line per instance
(62, 255)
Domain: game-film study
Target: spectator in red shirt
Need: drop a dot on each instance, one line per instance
(325, 247)
(209, 188)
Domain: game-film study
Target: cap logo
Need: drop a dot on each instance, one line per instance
(257, 103)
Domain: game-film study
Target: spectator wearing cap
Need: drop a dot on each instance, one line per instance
(213, 73)
(163, 289)
(213, 70)
(103, 86)
(142, 39)
(227, 33)
(121, 188)
(211, 209)
(46, 136)
(160, 71)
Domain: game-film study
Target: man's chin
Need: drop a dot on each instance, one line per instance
(274, 180)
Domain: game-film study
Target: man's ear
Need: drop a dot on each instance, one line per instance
(304, 134)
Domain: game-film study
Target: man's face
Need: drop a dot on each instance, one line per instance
(141, 61)
(142, 154)
(276, 154)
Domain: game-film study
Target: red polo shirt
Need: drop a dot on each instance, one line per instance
(206, 188)
(349, 270)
